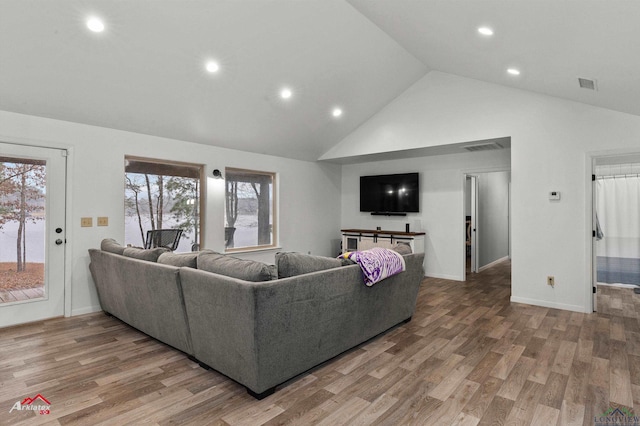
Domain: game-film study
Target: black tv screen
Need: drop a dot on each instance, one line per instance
(399, 193)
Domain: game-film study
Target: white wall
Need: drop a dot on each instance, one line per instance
(309, 193)
(441, 214)
(552, 141)
(493, 212)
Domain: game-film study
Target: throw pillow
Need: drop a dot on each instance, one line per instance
(292, 264)
(188, 259)
(346, 262)
(145, 254)
(248, 270)
(112, 246)
(402, 248)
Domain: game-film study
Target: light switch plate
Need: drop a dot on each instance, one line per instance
(103, 221)
(86, 222)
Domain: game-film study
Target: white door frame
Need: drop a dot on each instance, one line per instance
(68, 234)
(590, 225)
(590, 160)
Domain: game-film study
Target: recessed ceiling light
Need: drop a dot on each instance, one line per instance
(336, 112)
(286, 93)
(485, 31)
(95, 24)
(212, 66)
(513, 71)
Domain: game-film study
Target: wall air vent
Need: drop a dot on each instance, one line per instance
(586, 83)
(489, 146)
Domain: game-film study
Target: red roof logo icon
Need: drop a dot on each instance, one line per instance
(29, 401)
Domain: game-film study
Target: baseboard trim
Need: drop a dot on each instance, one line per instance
(85, 310)
(547, 304)
(494, 263)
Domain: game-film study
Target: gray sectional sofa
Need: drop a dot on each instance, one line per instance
(258, 324)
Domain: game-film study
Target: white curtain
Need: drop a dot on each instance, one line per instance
(618, 212)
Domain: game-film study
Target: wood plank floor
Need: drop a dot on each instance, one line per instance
(468, 357)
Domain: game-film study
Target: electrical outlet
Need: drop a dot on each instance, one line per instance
(551, 280)
(86, 222)
(103, 221)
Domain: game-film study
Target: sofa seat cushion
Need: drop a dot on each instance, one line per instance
(145, 254)
(188, 259)
(290, 264)
(242, 269)
(112, 246)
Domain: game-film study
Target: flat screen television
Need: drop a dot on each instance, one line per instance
(385, 194)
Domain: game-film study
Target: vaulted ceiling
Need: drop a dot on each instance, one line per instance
(146, 71)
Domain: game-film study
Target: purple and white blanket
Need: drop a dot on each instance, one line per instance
(377, 263)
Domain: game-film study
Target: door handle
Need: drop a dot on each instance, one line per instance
(58, 241)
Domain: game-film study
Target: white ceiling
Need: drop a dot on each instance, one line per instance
(145, 73)
(552, 42)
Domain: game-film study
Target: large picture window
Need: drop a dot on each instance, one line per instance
(162, 195)
(250, 213)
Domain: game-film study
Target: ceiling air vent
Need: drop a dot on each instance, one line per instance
(586, 83)
(489, 146)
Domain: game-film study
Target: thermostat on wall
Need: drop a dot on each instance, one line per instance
(554, 195)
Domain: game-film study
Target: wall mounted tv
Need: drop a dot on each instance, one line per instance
(392, 195)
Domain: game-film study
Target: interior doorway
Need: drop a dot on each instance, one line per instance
(486, 219)
(616, 226)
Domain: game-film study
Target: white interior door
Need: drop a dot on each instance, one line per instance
(474, 224)
(594, 242)
(32, 233)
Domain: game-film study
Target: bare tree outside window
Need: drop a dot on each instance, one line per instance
(162, 195)
(249, 209)
(22, 212)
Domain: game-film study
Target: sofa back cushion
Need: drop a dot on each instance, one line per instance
(292, 264)
(242, 269)
(402, 248)
(145, 254)
(188, 259)
(112, 246)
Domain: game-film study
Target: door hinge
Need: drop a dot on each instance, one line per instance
(593, 178)
(593, 234)
(594, 290)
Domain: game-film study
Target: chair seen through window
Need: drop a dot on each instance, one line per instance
(169, 238)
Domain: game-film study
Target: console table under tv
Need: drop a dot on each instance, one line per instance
(363, 239)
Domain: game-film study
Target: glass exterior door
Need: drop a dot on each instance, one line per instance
(32, 234)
